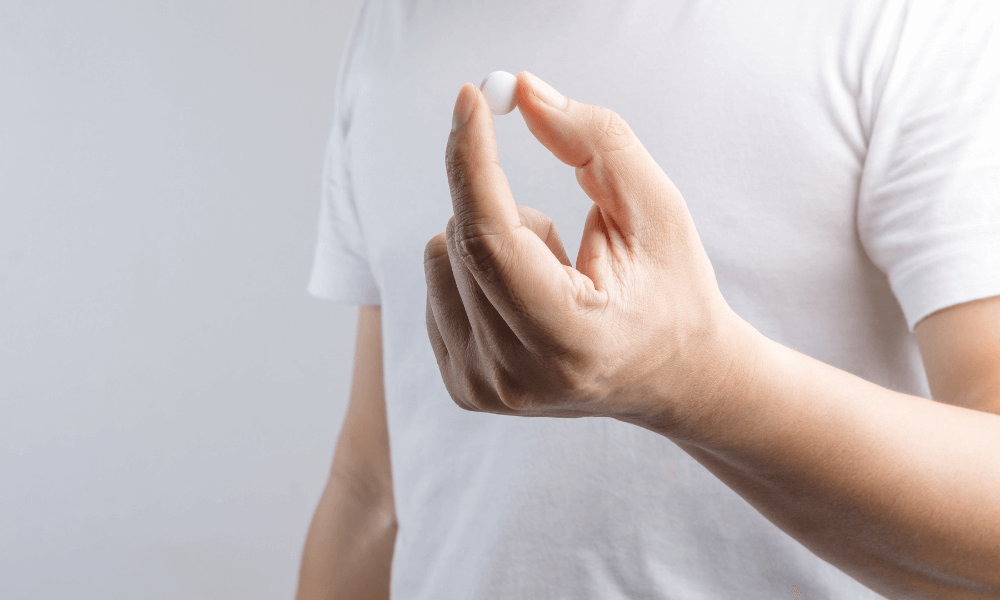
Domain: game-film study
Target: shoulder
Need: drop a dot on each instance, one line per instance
(367, 49)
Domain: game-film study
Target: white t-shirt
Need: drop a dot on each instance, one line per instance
(841, 160)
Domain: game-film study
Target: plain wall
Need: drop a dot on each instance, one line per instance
(169, 393)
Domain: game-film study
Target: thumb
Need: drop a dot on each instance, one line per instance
(612, 165)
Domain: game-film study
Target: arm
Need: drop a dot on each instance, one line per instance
(348, 550)
(961, 351)
(900, 492)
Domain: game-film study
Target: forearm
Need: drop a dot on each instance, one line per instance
(348, 551)
(349, 547)
(901, 492)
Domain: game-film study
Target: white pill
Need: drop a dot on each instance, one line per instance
(500, 90)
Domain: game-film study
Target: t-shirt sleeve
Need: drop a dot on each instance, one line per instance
(341, 269)
(929, 200)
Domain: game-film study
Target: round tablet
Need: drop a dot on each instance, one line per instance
(500, 90)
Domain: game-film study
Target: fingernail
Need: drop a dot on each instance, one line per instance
(546, 93)
(463, 106)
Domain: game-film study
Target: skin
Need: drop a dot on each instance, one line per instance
(899, 492)
(349, 546)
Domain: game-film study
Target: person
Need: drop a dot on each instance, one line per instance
(780, 337)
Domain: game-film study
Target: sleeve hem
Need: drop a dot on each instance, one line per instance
(957, 276)
(343, 286)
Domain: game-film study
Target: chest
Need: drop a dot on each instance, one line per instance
(760, 132)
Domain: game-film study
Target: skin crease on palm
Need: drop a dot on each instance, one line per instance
(638, 331)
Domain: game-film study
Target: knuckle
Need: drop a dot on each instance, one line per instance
(476, 241)
(464, 162)
(472, 390)
(457, 169)
(463, 405)
(479, 248)
(611, 132)
(601, 175)
(510, 390)
(436, 249)
(455, 158)
(458, 389)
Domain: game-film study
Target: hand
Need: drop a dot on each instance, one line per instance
(637, 331)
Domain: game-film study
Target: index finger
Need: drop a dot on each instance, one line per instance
(515, 269)
(480, 194)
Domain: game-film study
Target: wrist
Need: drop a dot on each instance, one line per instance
(690, 399)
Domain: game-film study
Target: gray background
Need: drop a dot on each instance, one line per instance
(169, 393)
